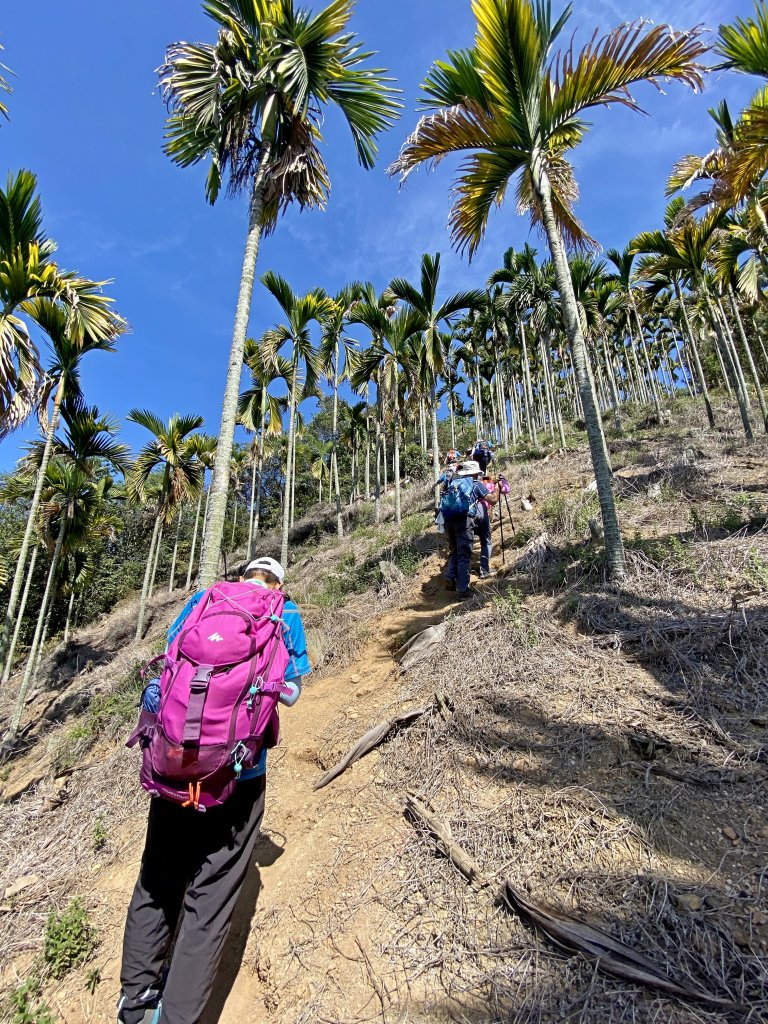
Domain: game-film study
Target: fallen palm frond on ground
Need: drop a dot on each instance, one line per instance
(372, 739)
(613, 957)
(567, 931)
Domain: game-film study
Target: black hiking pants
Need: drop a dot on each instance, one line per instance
(461, 537)
(193, 868)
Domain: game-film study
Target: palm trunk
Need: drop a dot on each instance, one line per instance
(396, 466)
(435, 452)
(734, 353)
(194, 539)
(18, 576)
(293, 482)
(479, 416)
(730, 367)
(367, 445)
(335, 449)
(696, 359)
(214, 529)
(529, 421)
(252, 505)
(614, 391)
(377, 496)
(259, 486)
(148, 576)
(234, 522)
(21, 697)
(651, 378)
(288, 468)
(157, 562)
(41, 645)
(20, 617)
(642, 385)
(172, 576)
(70, 606)
(598, 448)
(750, 359)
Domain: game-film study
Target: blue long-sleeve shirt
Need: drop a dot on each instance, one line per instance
(295, 642)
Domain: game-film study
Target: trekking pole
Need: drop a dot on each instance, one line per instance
(501, 524)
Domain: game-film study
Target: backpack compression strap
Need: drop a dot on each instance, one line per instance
(198, 691)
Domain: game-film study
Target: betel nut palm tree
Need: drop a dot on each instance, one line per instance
(70, 311)
(252, 104)
(518, 109)
(173, 453)
(261, 413)
(423, 301)
(388, 360)
(74, 481)
(335, 346)
(682, 252)
(300, 312)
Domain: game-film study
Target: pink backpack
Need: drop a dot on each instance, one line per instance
(221, 681)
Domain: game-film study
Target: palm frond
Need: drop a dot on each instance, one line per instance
(744, 43)
(605, 69)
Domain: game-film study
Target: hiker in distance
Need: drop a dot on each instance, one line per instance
(460, 505)
(234, 653)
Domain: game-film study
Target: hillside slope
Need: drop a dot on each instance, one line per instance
(605, 751)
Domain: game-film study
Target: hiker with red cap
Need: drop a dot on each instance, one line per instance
(235, 652)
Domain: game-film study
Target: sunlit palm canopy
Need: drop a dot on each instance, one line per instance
(88, 441)
(682, 251)
(515, 106)
(300, 312)
(171, 450)
(265, 367)
(32, 289)
(743, 45)
(267, 78)
(423, 301)
(389, 350)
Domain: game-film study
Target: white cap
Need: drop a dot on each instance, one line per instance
(268, 565)
(469, 468)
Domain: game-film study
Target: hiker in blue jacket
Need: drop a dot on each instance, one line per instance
(460, 528)
(194, 866)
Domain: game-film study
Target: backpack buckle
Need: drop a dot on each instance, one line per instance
(240, 751)
(254, 691)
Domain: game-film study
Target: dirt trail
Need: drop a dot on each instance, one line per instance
(312, 857)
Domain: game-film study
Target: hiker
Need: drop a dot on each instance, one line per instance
(482, 454)
(483, 523)
(194, 864)
(459, 506)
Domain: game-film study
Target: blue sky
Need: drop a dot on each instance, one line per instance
(87, 118)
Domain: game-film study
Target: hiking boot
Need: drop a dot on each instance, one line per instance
(150, 1016)
(485, 573)
(464, 595)
(450, 584)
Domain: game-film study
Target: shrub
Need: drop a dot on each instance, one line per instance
(510, 607)
(25, 1006)
(415, 463)
(569, 516)
(69, 939)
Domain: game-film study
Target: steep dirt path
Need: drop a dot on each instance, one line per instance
(311, 871)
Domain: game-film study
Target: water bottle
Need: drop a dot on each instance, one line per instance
(289, 699)
(150, 698)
